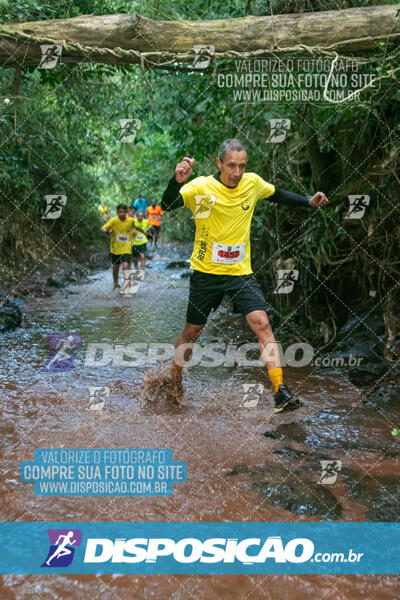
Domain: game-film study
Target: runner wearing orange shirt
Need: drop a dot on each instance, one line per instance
(154, 213)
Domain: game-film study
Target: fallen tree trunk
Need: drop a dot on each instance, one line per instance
(130, 38)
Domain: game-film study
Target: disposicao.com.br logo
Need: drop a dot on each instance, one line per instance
(199, 548)
(190, 550)
(202, 548)
(248, 551)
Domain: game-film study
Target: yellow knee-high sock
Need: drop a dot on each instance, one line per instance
(276, 377)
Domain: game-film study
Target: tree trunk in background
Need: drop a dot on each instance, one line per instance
(92, 38)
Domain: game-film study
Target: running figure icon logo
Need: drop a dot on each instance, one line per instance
(279, 129)
(51, 54)
(204, 204)
(97, 397)
(54, 206)
(252, 392)
(132, 280)
(129, 129)
(286, 280)
(62, 351)
(202, 56)
(62, 547)
(357, 206)
(330, 470)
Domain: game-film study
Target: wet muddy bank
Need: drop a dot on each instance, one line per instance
(41, 280)
(347, 453)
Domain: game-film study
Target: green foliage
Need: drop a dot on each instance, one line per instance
(180, 228)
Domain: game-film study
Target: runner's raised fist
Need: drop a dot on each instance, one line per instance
(319, 199)
(184, 169)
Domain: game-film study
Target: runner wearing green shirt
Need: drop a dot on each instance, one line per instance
(139, 240)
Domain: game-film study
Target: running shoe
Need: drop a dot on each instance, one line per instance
(285, 400)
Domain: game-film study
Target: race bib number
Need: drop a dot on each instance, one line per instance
(122, 237)
(228, 255)
(140, 237)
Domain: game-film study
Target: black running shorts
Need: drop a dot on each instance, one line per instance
(118, 259)
(138, 250)
(207, 291)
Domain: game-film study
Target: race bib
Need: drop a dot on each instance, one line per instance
(140, 237)
(228, 255)
(122, 237)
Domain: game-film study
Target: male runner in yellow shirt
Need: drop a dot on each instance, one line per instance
(223, 206)
(120, 229)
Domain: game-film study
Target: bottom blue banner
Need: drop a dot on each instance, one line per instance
(200, 548)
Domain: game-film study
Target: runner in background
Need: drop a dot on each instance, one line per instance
(140, 204)
(120, 228)
(154, 213)
(139, 240)
(103, 210)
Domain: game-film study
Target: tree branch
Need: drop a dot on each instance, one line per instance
(127, 38)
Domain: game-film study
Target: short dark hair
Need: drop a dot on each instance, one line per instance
(232, 144)
(124, 206)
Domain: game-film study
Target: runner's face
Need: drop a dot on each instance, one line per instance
(232, 167)
(121, 212)
(139, 215)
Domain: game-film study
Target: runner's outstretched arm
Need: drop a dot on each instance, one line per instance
(291, 199)
(171, 198)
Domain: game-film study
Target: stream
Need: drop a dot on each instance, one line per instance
(234, 471)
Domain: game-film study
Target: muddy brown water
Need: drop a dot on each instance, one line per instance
(228, 457)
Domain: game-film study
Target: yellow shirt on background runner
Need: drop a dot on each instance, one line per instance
(140, 238)
(121, 238)
(223, 220)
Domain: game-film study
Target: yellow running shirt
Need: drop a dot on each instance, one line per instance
(223, 220)
(121, 238)
(140, 238)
